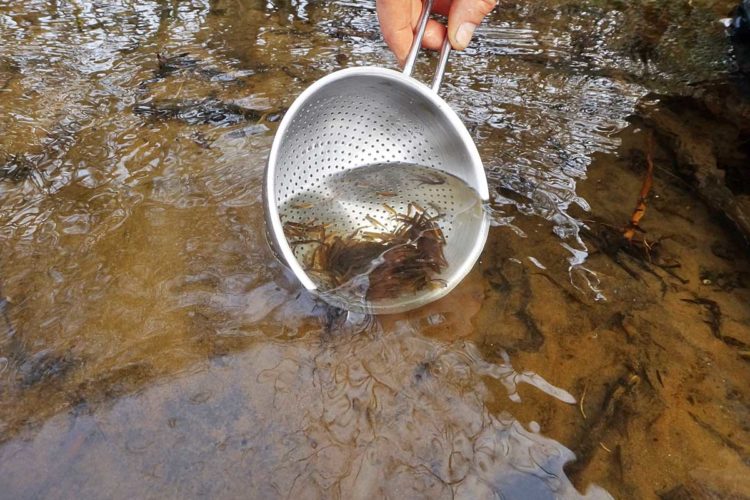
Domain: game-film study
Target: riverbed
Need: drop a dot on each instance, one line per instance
(152, 346)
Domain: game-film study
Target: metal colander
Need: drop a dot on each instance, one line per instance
(330, 162)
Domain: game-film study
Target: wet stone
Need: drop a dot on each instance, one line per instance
(171, 64)
(45, 366)
(16, 168)
(197, 112)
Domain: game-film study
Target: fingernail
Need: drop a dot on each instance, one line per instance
(464, 33)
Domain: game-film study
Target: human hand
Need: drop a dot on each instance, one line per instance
(398, 20)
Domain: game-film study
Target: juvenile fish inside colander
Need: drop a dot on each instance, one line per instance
(405, 260)
(380, 231)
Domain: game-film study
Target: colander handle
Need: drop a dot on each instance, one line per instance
(445, 51)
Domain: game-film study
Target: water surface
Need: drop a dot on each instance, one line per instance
(152, 346)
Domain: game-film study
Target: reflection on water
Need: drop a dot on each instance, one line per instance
(362, 416)
(150, 344)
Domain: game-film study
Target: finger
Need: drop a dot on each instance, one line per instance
(435, 31)
(395, 21)
(434, 35)
(416, 12)
(464, 17)
(442, 7)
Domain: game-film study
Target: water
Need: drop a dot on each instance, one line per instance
(372, 204)
(152, 346)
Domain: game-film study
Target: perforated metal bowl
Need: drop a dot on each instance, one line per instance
(359, 117)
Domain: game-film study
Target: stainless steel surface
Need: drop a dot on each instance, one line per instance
(445, 52)
(364, 116)
(418, 36)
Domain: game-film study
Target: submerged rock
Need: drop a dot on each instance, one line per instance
(707, 134)
(740, 24)
(197, 112)
(171, 64)
(16, 168)
(44, 365)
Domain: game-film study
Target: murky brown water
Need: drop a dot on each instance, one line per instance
(151, 346)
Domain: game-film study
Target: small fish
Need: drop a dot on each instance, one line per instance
(432, 179)
(247, 131)
(369, 235)
(417, 207)
(402, 260)
(385, 193)
(375, 222)
(390, 209)
(301, 206)
(437, 283)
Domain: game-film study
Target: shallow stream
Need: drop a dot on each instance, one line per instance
(152, 346)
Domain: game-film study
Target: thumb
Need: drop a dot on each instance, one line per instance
(464, 17)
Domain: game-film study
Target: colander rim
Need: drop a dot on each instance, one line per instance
(273, 218)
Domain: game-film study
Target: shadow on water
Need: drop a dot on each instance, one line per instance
(150, 344)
